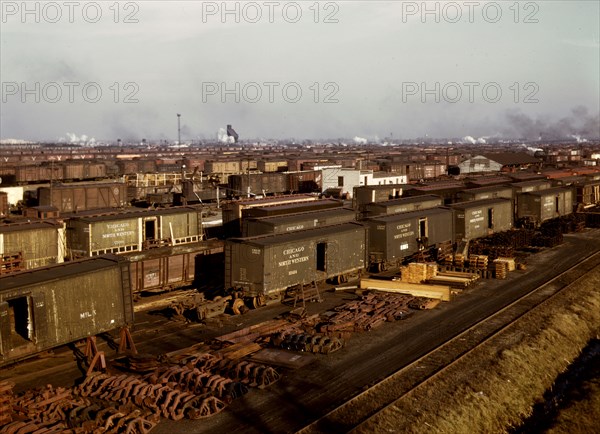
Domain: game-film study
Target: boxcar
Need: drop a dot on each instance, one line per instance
(82, 197)
(52, 306)
(129, 231)
(309, 181)
(296, 222)
(479, 218)
(169, 267)
(394, 237)
(366, 194)
(404, 204)
(37, 243)
(268, 265)
(258, 183)
(491, 192)
(543, 205)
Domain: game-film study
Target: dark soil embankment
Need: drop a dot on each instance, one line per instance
(495, 387)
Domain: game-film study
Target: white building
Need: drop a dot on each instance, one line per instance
(347, 179)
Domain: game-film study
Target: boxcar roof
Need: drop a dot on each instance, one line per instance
(409, 214)
(308, 204)
(125, 214)
(530, 183)
(287, 218)
(548, 191)
(56, 271)
(410, 199)
(476, 203)
(25, 225)
(487, 188)
(274, 239)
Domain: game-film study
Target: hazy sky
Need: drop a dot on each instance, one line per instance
(365, 68)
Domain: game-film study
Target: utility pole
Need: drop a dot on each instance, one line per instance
(178, 129)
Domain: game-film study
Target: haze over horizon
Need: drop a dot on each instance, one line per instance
(363, 69)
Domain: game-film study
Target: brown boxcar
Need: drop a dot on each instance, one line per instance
(257, 183)
(309, 181)
(169, 267)
(52, 306)
(268, 265)
(82, 197)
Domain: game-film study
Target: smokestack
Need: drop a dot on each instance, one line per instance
(231, 133)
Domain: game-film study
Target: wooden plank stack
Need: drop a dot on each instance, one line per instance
(503, 266)
(414, 273)
(479, 262)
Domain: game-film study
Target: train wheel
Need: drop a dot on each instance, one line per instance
(258, 301)
(237, 306)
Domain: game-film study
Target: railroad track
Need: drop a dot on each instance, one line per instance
(352, 414)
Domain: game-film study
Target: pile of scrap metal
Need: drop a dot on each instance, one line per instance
(367, 313)
(162, 399)
(54, 410)
(307, 342)
(240, 371)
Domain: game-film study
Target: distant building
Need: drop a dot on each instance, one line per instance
(500, 162)
(347, 179)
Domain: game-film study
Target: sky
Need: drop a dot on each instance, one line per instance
(301, 70)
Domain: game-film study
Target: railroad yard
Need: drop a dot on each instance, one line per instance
(303, 394)
(133, 309)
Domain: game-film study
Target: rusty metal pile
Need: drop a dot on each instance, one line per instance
(367, 313)
(54, 410)
(307, 342)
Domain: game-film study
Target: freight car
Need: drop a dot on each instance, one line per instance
(254, 226)
(29, 245)
(480, 218)
(394, 237)
(59, 304)
(129, 231)
(265, 266)
(169, 267)
(404, 204)
(83, 197)
(258, 183)
(20, 174)
(539, 206)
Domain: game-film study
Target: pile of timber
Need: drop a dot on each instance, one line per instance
(479, 262)
(503, 266)
(418, 272)
(454, 279)
(254, 332)
(441, 292)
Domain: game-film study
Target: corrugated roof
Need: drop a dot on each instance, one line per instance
(512, 158)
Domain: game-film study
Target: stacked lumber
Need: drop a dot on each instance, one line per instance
(431, 270)
(512, 266)
(479, 262)
(250, 334)
(453, 279)
(6, 396)
(503, 266)
(414, 273)
(441, 292)
(459, 260)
